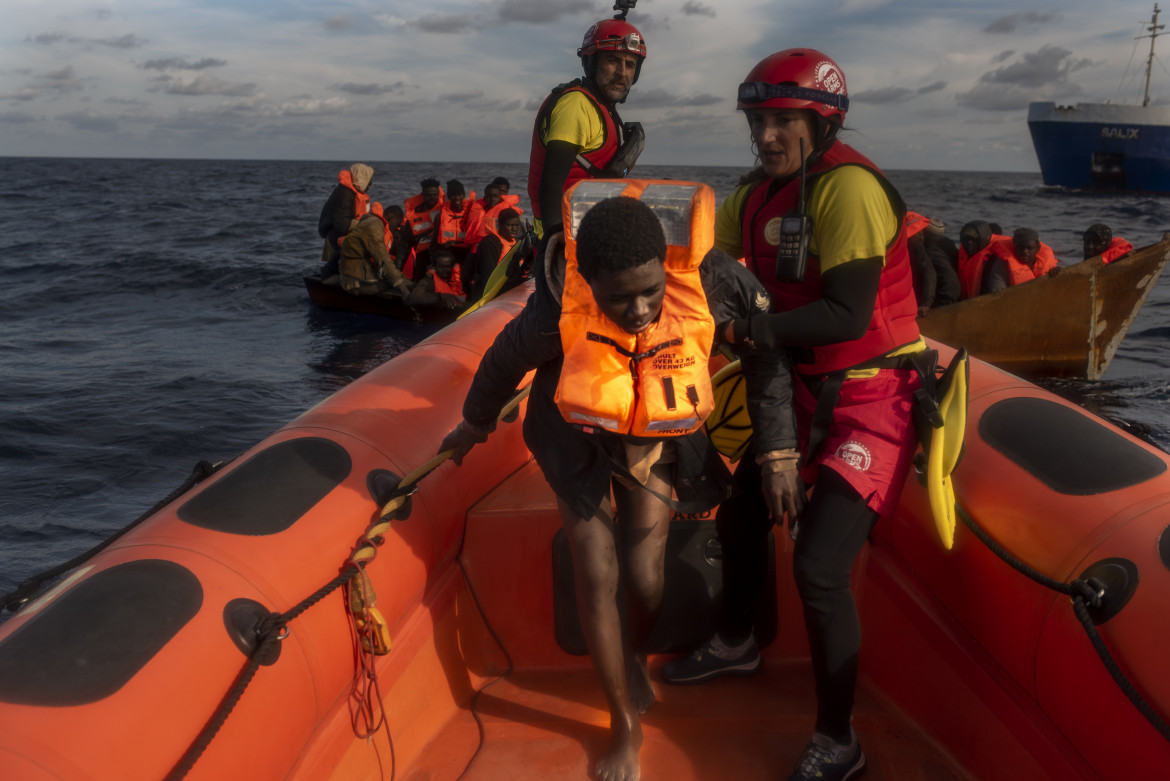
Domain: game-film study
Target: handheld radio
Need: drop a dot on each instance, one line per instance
(795, 229)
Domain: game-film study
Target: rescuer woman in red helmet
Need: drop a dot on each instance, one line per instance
(822, 228)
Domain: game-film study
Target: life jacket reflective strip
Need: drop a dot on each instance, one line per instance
(1019, 272)
(655, 383)
(894, 322)
(1117, 248)
(915, 223)
(599, 157)
(422, 224)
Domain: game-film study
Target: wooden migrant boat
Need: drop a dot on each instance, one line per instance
(1065, 326)
(333, 297)
(969, 669)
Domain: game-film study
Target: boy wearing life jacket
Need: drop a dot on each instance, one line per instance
(495, 245)
(365, 265)
(421, 211)
(440, 285)
(619, 331)
(349, 201)
(1019, 259)
(1099, 240)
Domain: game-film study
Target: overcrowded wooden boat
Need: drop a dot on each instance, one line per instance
(1069, 325)
(458, 655)
(389, 304)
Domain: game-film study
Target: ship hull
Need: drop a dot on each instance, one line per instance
(1099, 146)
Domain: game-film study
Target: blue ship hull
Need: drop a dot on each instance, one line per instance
(1098, 146)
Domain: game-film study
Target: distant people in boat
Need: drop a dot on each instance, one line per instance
(1008, 262)
(578, 133)
(366, 266)
(495, 199)
(495, 245)
(347, 202)
(1099, 240)
(936, 237)
(440, 286)
(460, 223)
(974, 246)
(936, 282)
(848, 313)
(619, 288)
(422, 211)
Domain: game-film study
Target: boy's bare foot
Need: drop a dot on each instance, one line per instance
(641, 690)
(620, 762)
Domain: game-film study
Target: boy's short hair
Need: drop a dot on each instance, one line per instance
(430, 181)
(394, 210)
(507, 214)
(441, 251)
(617, 234)
(501, 180)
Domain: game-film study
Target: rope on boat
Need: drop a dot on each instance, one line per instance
(368, 622)
(30, 586)
(1084, 594)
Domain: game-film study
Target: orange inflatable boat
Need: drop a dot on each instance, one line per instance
(223, 639)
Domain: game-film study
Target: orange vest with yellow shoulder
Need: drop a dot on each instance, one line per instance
(655, 383)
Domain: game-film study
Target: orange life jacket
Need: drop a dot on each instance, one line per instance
(422, 224)
(460, 228)
(971, 268)
(1019, 272)
(361, 201)
(1117, 248)
(453, 287)
(387, 234)
(915, 223)
(492, 215)
(655, 383)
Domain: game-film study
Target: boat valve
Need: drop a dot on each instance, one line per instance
(1106, 587)
(383, 487)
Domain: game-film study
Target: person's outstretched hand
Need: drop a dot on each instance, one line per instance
(783, 489)
(462, 439)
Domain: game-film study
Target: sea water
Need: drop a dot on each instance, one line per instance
(152, 315)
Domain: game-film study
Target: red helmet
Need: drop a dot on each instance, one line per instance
(796, 78)
(612, 35)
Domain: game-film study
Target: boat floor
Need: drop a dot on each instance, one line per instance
(554, 724)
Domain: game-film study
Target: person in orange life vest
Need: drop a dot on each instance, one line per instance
(975, 239)
(577, 132)
(440, 286)
(1019, 259)
(936, 283)
(491, 251)
(459, 224)
(421, 211)
(620, 248)
(347, 202)
(849, 320)
(1099, 240)
(365, 265)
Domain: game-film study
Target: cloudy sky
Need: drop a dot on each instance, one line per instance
(934, 85)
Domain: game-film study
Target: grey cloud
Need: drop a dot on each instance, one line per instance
(182, 64)
(1041, 74)
(89, 120)
(446, 24)
(127, 41)
(370, 89)
(1050, 65)
(1015, 22)
(461, 97)
(60, 80)
(691, 8)
(1003, 56)
(16, 117)
(882, 95)
(341, 22)
(929, 88)
(210, 85)
(658, 98)
(541, 11)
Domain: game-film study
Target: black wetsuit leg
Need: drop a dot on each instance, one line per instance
(742, 524)
(835, 526)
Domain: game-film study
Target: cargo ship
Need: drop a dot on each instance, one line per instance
(1105, 146)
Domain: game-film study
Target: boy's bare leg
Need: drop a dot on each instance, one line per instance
(595, 572)
(643, 523)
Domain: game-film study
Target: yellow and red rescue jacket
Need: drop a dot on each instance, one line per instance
(655, 383)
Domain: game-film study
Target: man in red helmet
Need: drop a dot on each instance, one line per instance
(578, 133)
(822, 228)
